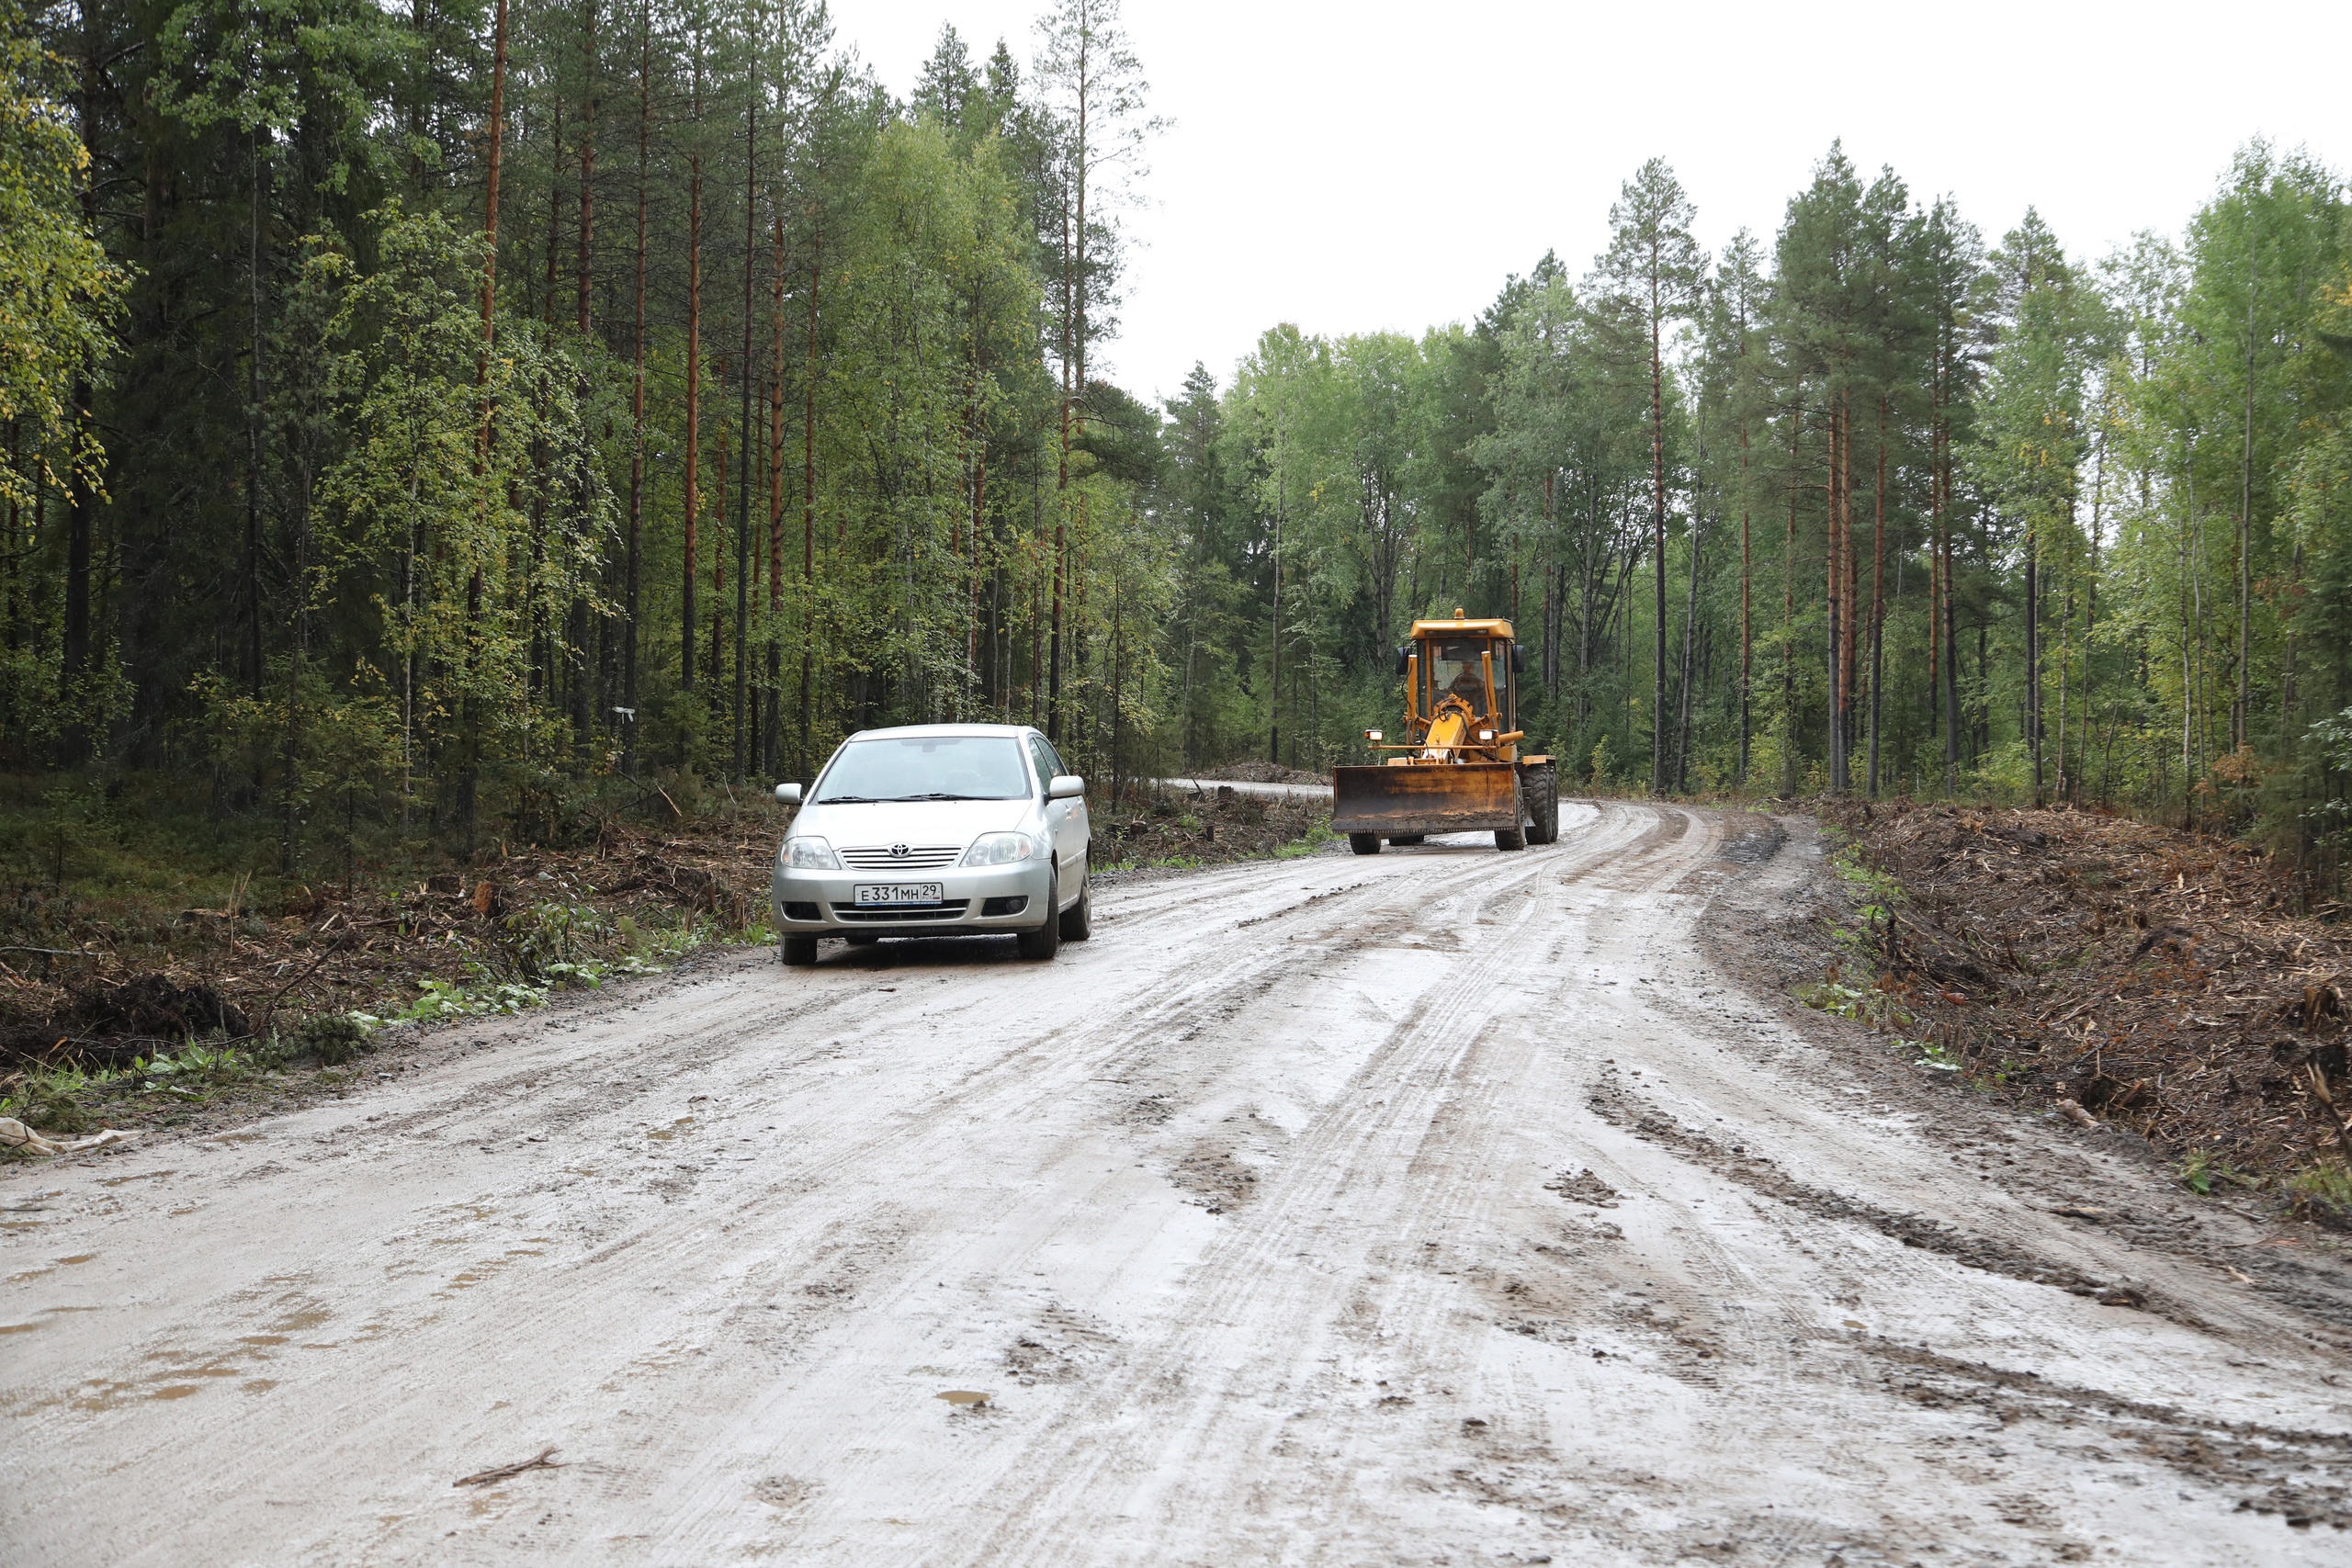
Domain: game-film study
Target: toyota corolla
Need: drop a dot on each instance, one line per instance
(936, 829)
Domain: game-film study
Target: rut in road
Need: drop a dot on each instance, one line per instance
(1444, 1205)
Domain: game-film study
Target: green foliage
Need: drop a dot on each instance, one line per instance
(333, 1038)
(49, 1101)
(2325, 1186)
(2201, 1170)
(60, 292)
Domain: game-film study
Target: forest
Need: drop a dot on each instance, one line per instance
(427, 428)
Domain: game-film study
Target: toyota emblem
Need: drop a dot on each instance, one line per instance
(898, 851)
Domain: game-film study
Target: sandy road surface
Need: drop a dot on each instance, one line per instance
(1442, 1207)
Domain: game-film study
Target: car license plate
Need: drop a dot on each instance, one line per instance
(900, 892)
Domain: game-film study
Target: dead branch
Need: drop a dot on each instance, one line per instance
(543, 1460)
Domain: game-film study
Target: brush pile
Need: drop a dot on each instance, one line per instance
(96, 986)
(2158, 979)
(1184, 827)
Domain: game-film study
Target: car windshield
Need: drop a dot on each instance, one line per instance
(926, 767)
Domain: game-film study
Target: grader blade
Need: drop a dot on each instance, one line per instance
(1456, 797)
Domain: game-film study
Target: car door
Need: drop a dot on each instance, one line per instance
(1066, 820)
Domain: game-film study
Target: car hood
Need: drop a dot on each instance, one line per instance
(922, 823)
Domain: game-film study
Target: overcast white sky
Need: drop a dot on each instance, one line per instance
(1365, 166)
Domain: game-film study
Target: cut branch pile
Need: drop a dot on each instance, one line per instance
(2158, 979)
(136, 983)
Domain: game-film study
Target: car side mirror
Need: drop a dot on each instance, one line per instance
(1404, 654)
(1066, 786)
(789, 793)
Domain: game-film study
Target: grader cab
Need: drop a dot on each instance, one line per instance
(1456, 766)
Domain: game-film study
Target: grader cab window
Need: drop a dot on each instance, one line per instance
(1456, 670)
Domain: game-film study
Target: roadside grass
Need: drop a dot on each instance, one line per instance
(2323, 1190)
(1306, 843)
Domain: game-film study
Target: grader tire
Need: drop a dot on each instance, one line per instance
(1542, 786)
(1514, 838)
(1364, 843)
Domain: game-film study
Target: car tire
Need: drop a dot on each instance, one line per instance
(1041, 942)
(1078, 921)
(1542, 786)
(799, 952)
(1364, 843)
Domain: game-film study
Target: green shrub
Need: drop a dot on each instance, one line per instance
(333, 1038)
(47, 1103)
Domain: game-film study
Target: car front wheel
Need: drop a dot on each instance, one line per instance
(1042, 941)
(799, 951)
(1078, 921)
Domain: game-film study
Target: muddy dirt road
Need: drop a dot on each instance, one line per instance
(1442, 1207)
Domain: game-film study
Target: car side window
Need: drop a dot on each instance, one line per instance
(1047, 763)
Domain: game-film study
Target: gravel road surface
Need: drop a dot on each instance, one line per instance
(1447, 1206)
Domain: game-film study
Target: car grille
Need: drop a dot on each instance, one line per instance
(886, 914)
(919, 857)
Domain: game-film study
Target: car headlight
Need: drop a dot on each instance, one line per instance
(810, 854)
(1005, 849)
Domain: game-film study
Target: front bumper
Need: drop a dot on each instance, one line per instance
(993, 899)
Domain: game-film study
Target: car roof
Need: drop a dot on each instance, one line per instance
(919, 731)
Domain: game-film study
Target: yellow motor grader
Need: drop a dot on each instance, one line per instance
(1457, 768)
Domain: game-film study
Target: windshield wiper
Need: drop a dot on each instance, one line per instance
(848, 800)
(943, 794)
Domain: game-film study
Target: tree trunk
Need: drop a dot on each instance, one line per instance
(1789, 616)
(75, 658)
(1681, 775)
(583, 688)
(497, 128)
(1275, 656)
(469, 759)
(1657, 520)
(289, 846)
(2033, 658)
(2238, 707)
(719, 546)
(252, 432)
(1942, 493)
(1835, 628)
(587, 164)
(555, 203)
(1747, 626)
(636, 404)
(1878, 592)
(694, 400)
(771, 736)
(809, 496)
(741, 710)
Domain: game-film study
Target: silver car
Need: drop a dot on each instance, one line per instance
(936, 829)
